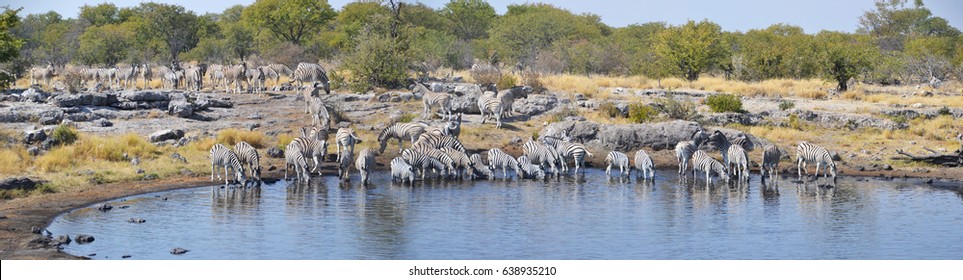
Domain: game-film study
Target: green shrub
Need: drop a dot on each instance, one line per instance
(944, 111)
(507, 82)
(64, 135)
(564, 112)
(794, 122)
(678, 110)
(721, 103)
(407, 118)
(786, 105)
(609, 109)
(641, 113)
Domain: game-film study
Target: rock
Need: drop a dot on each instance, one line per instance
(136, 221)
(574, 118)
(84, 99)
(105, 207)
(535, 104)
(275, 152)
(466, 98)
(253, 126)
(34, 94)
(167, 134)
(140, 171)
(84, 239)
(125, 257)
(22, 183)
(61, 240)
(34, 136)
(748, 119)
(515, 140)
(438, 87)
(180, 108)
(152, 176)
(272, 168)
(204, 104)
(179, 157)
(33, 151)
(145, 96)
(254, 116)
(918, 105)
(103, 123)
(886, 167)
(48, 144)
(179, 251)
(36, 230)
(135, 161)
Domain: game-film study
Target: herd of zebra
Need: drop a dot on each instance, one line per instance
(234, 78)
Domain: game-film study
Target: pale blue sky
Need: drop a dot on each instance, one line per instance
(733, 15)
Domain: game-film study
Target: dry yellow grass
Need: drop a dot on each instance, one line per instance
(232, 136)
(15, 161)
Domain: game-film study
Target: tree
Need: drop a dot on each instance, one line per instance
(527, 29)
(469, 19)
(691, 49)
(638, 43)
(106, 45)
(844, 56)
(779, 51)
(930, 58)
(100, 15)
(892, 22)
(9, 44)
(290, 20)
(175, 26)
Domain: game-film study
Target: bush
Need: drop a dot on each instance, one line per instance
(336, 80)
(564, 112)
(507, 82)
(534, 80)
(794, 122)
(786, 105)
(678, 110)
(232, 136)
(721, 103)
(944, 111)
(407, 118)
(641, 113)
(64, 135)
(610, 110)
(485, 74)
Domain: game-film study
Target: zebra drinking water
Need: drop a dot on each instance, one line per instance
(618, 159)
(223, 157)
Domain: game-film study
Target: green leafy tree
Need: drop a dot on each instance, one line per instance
(290, 20)
(691, 49)
(100, 15)
(892, 22)
(930, 57)
(106, 45)
(9, 44)
(527, 29)
(172, 24)
(844, 56)
(779, 51)
(469, 19)
(638, 43)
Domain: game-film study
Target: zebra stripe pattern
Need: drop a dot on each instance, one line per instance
(810, 153)
(223, 157)
(365, 161)
(440, 99)
(277, 70)
(311, 72)
(732, 155)
(453, 128)
(529, 170)
(643, 163)
(194, 78)
(312, 145)
(294, 157)
(401, 170)
(145, 74)
(127, 74)
(618, 159)
(491, 106)
(345, 138)
(319, 113)
(255, 80)
(421, 160)
(770, 160)
(401, 131)
(460, 161)
(439, 141)
(234, 74)
(344, 165)
(479, 168)
(498, 158)
(541, 154)
(247, 154)
(701, 161)
(45, 74)
(685, 149)
(565, 149)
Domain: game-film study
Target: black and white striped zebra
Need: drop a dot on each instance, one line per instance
(223, 157)
(294, 157)
(234, 74)
(619, 159)
(498, 158)
(479, 168)
(145, 74)
(440, 99)
(701, 161)
(565, 149)
(277, 70)
(811, 153)
(461, 163)
(453, 128)
(311, 72)
(530, 170)
(364, 163)
(247, 154)
(319, 113)
(423, 158)
(770, 160)
(345, 140)
(685, 149)
(438, 141)
(314, 145)
(127, 74)
(732, 155)
(401, 170)
(215, 74)
(542, 155)
(194, 78)
(401, 131)
(255, 80)
(643, 163)
(491, 106)
(508, 97)
(344, 166)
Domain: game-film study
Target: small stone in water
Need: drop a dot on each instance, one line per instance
(179, 250)
(125, 256)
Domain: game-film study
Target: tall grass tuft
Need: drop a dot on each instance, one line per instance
(232, 136)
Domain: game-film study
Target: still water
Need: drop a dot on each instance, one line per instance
(590, 217)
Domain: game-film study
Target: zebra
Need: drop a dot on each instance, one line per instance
(498, 158)
(234, 74)
(311, 72)
(480, 168)
(365, 161)
(193, 78)
(145, 74)
(703, 162)
(770, 160)
(732, 155)
(438, 142)
(255, 80)
(644, 164)
(422, 159)
(346, 139)
(108, 75)
(530, 170)
(247, 154)
(453, 128)
(401, 131)
(223, 157)
(434, 130)
(45, 74)
(401, 170)
(440, 99)
(313, 145)
(319, 113)
(541, 154)
(294, 156)
(685, 149)
(460, 161)
(567, 149)
(619, 159)
(344, 166)
(508, 97)
(126, 74)
(88, 74)
(215, 73)
(806, 153)
(491, 106)
(278, 70)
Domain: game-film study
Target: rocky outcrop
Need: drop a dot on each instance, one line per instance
(275, 152)
(465, 99)
(34, 136)
(167, 134)
(625, 137)
(180, 108)
(535, 104)
(179, 251)
(23, 183)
